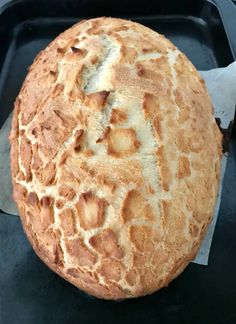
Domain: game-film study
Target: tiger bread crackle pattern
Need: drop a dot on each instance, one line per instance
(115, 158)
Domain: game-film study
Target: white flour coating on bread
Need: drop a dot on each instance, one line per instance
(115, 158)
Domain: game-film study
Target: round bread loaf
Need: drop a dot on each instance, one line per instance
(115, 158)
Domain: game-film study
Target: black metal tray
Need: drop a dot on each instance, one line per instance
(29, 292)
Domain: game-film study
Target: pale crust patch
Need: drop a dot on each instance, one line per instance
(46, 175)
(183, 167)
(165, 172)
(90, 210)
(77, 250)
(25, 151)
(106, 244)
(117, 116)
(41, 212)
(87, 277)
(143, 238)
(122, 142)
(127, 54)
(66, 192)
(151, 108)
(96, 100)
(135, 206)
(111, 269)
(67, 222)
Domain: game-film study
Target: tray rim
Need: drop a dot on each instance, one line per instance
(225, 8)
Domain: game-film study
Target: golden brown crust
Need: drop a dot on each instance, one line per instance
(115, 158)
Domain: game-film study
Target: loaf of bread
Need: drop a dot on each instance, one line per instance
(115, 158)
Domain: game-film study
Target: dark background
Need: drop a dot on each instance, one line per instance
(29, 291)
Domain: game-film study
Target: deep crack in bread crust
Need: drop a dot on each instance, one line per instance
(115, 158)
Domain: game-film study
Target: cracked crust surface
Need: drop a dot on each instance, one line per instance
(115, 158)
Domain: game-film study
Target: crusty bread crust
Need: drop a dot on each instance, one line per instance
(115, 158)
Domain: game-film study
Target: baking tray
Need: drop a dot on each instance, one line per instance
(29, 292)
